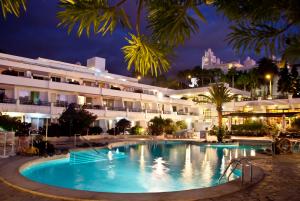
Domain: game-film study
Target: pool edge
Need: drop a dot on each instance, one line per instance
(11, 176)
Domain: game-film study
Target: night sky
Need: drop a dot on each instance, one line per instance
(35, 34)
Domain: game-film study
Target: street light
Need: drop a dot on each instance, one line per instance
(139, 77)
(189, 76)
(269, 77)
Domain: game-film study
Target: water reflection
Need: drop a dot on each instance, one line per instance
(148, 167)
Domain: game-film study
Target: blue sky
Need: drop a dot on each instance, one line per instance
(35, 34)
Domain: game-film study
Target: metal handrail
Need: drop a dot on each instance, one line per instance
(240, 161)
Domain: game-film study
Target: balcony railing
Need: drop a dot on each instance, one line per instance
(182, 113)
(8, 100)
(30, 102)
(153, 111)
(116, 108)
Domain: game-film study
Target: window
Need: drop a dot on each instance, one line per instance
(174, 108)
(56, 79)
(128, 104)
(207, 114)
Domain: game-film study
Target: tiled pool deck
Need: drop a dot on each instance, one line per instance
(282, 182)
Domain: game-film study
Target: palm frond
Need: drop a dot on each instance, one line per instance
(219, 94)
(12, 7)
(292, 52)
(145, 56)
(257, 37)
(172, 24)
(91, 14)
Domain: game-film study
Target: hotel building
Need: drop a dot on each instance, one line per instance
(38, 89)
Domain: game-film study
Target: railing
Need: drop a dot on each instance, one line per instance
(8, 100)
(136, 110)
(243, 162)
(116, 108)
(30, 102)
(182, 113)
(61, 104)
(153, 111)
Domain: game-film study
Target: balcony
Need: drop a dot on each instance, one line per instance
(8, 100)
(30, 102)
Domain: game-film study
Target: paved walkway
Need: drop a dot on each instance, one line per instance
(281, 183)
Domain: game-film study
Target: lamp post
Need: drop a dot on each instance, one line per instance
(269, 77)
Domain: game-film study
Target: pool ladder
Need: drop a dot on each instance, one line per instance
(243, 162)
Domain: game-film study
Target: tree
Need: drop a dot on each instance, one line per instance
(295, 81)
(169, 24)
(75, 120)
(218, 95)
(284, 82)
(243, 80)
(231, 74)
(123, 124)
(263, 26)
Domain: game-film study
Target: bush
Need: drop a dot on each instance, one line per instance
(251, 126)
(136, 130)
(180, 125)
(123, 124)
(40, 144)
(95, 130)
(113, 131)
(156, 126)
(8, 123)
(296, 124)
(170, 126)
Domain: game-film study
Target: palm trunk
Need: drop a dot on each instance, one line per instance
(220, 117)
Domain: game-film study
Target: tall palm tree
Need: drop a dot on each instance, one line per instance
(218, 95)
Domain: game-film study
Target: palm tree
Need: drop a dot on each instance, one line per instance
(218, 95)
(243, 80)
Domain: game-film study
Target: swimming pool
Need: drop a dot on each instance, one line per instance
(146, 167)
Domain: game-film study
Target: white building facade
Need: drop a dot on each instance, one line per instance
(37, 89)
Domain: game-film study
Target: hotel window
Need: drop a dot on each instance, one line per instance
(108, 103)
(207, 114)
(24, 95)
(89, 101)
(56, 79)
(128, 104)
(174, 108)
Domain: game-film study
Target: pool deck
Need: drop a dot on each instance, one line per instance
(281, 182)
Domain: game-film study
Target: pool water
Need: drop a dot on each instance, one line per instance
(147, 167)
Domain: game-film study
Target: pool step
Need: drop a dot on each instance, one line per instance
(91, 156)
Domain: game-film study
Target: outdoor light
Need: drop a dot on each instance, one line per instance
(139, 77)
(269, 77)
(189, 76)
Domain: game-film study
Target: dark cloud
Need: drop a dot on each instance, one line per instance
(35, 34)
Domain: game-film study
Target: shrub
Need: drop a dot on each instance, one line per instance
(123, 124)
(156, 126)
(95, 130)
(113, 131)
(169, 126)
(180, 125)
(136, 130)
(296, 124)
